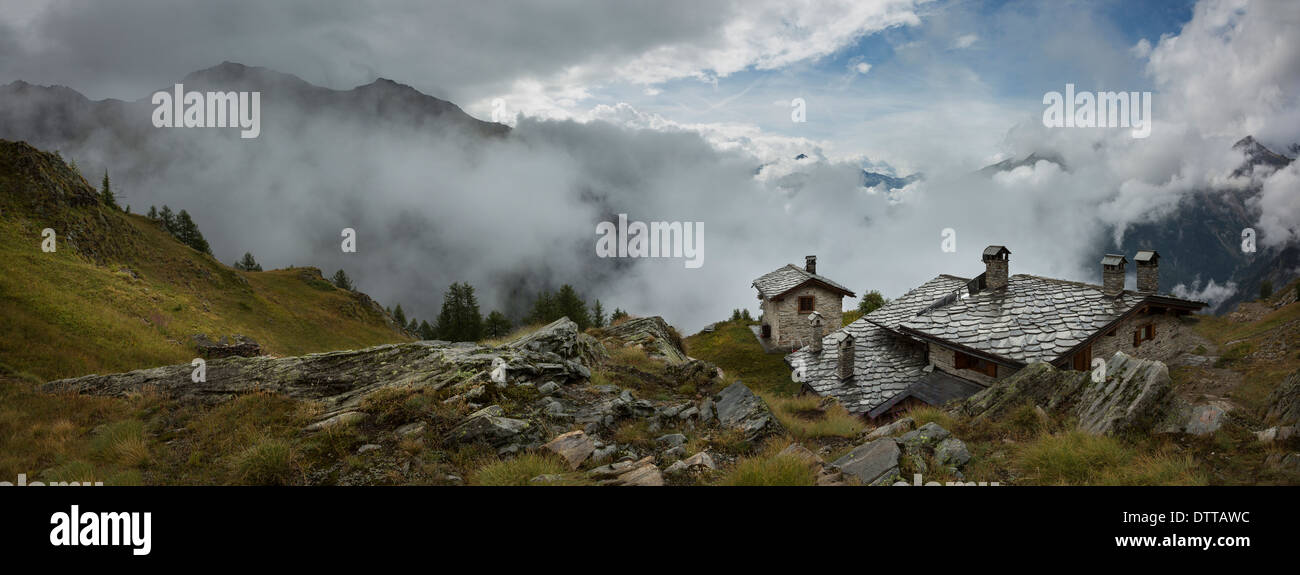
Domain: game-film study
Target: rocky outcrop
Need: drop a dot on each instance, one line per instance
(489, 425)
(1284, 402)
(234, 346)
(739, 409)
(1135, 395)
(652, 334)
(340, 380)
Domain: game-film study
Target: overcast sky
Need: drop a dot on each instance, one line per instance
(897, 86)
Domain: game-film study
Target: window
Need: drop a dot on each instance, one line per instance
(806, 304)
(1144, 333)
(964, 361)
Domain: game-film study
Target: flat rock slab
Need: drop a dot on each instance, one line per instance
(873, 463)
(575, 447)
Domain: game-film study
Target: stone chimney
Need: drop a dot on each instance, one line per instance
(1148, 271)
(996, 263)
(810, 264)
(816, 321)
(1112, 274)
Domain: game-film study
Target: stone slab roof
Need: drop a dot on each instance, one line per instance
(790, 276)
(1032, 319)
(935, 388)
(884, 364)
(906, 306)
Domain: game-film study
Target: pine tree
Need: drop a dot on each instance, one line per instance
(735, 314)
(744, 315)
(106, 194)
(153, 213)
(597, 314)
(496, 325)
(167, 219)
(188, 233)
(342, 281)
(568, 304)
(399, 316)
(617, 315)
(544, 310)
(413, 326)
(248, 264)
(427, 331)
(460, 319)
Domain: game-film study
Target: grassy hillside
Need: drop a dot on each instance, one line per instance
(120, 293)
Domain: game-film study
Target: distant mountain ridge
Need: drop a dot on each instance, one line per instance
(57, 116)
(1201, 241)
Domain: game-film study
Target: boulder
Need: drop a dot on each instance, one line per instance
(873, 463)
(672, 439)
(701, 462)
(925, 437)
(695, 372)
(642, 472)
(1276, 433)
(900, 426)
(574, 447)
(653, 334)
(488, 425)
(1207, 418)
(738, 408)
(952, 452)
(1136, 395)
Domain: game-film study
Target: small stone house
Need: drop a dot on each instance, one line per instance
(953, 336)
(790, 295)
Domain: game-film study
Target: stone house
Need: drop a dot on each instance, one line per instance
(790, 295)
(952, 336)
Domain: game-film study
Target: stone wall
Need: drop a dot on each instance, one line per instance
(944, 359)
(1163, 348)
(791, 328)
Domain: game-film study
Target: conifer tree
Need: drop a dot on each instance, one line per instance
(342, 281)
(106, 192)
(597, 314)
(496, 325)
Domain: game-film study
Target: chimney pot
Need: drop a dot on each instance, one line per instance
(996, 266)
(1148, 271)
(1112, 274)
(815, 320)
(810, 264)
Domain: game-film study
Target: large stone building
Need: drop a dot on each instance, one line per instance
(790, 295)
(952, 336)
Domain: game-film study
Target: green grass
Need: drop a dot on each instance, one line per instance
(520, 470)
(130, 296)
(770, 469)
(733, 347)
(1077, 458)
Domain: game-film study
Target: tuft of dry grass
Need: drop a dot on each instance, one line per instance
(804, 419)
